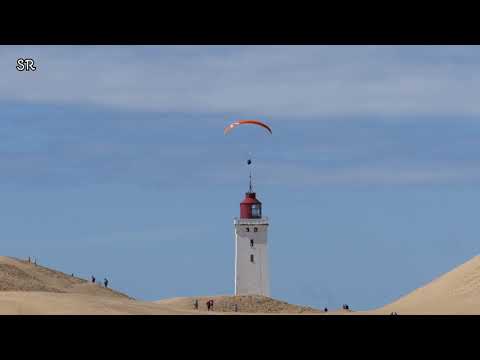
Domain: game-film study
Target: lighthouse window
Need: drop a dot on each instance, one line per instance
(247, 229)
(251, 258)
(256, 211)
(251, 243)
(255, 229)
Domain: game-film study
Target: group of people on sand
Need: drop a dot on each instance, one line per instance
(209, 304)
(105, 281)
(344, 307)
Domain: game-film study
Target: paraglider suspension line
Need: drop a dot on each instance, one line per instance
(250, 187)
(249, 163)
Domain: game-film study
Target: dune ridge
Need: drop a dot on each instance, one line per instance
(26, 288)
(251, 304)
(456, 292)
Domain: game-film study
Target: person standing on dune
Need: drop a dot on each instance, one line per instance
(105, 282)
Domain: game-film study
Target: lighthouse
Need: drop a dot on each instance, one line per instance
(251, 256)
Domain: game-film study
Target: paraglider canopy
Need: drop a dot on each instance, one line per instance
(242, 122)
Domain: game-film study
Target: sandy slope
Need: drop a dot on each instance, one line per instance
(456, 292)
(26, 288)
(251, 304)
(44, 303)
(20, 275)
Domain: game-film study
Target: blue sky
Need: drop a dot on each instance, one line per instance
(113, 162)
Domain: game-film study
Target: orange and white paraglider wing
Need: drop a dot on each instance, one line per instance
(230, 127)
(242, 122)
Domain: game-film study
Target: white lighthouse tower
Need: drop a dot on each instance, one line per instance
(251, 256)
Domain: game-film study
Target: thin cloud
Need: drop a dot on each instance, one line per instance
(278, 81)
(284, 174)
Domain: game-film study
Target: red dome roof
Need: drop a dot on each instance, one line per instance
(250, 199)
(250, 207)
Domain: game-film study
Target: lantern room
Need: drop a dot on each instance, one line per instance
(250, 207)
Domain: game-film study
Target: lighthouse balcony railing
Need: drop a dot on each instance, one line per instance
(253, 221)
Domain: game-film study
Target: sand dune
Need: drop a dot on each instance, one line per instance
(44, 303)
(20, 275)
(250, 304)
(26, 288)
(456, 292)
